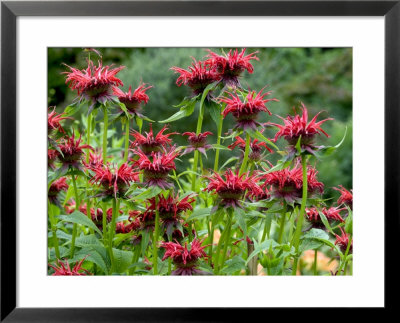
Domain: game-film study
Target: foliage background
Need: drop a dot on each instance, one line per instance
(321, 78)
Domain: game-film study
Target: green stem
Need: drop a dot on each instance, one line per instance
(169, 266)
(54, 231)
(88, 201)
(345, 256)
(126, 141)
(155, 238)
(211, 236)
(115, 213)
(104, 219)
(282, 227)
(267, 227)
(297, 234)
(227, 241)
(218, 251)
(75, 226)
(196, 153)
(219, 129)
(246, 155)
(105, 128)
(315, 269)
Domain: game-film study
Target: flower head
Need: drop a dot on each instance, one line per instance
(95, 83)
(184, 258)
(133, 100)
(197, 142)
(288, 183)
(52, 155)
(197, 77)
(95, 159)
(297, 126)
(53, 121)
(256, 147)
(156, 167)
(115, 181)
(343, 240)
(72, 151)
(331, 214)
(149, 143)
(346, 197)
(56, 187)
(230, 66)
(232, 189)
(63, 269)
(245, 112)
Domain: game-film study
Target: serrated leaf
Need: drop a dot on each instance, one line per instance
(122, 260)
(83, 240)
(233, 265)
(240, 216)
(148, 193)
(325, 222)
(267, 244)
(79, 218)
(92, 255)
(199, 214)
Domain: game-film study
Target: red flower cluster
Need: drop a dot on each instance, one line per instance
(197, 142)
(343, 240)
(256, 147)
(53, 121)
(297, 126)
(95, 83)
(197, 77)
(65, 270)
(56, 187)
(186, 260)
(230, 66)
(115, 183)
(246, 112)
(149, 143)
(72, 151)
(331, 214)
(156, 167)
(288, 183)
(52, 155)
(133, 100)
(232, 189)
(346, 197)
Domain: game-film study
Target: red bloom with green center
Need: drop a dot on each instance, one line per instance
(230, 66)
(72, 152)
(56, 187)
(197, 77)
(53, 121)
(346, 197)
(197, 142)
(186, 260)
(115, 182)
(156, 167)
(149, 143)
(288, 183)
(63, 269)
(232, 189)
(52, 155)
(256, 152)
(95, 83)
(133, 100)
(343, 240)
(331, 214)
(246, 112)
(297, 126)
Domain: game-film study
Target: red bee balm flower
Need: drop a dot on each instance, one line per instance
(197, 77)
(256, 148)
(346, 197)
(186, 260)
(133, 101)
(247, 111)
(149, 143)
(65, 270)
(53, 121)
(331, 214)
(231, 65)
(156, 167)
(95, 83)
(343, 240)
(297, 126)
(115, 183)
(233, 188)
(288, 183)
(72, 152)
(197, 142)
(56, 187)
(51, 158)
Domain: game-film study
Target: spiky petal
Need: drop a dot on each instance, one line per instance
(256, 147)
(343, 240)
(53, 121)
(63, 269)
(133, 100)
(197, 142)
(346, 197)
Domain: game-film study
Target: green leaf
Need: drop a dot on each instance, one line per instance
(233, 265)
(94, 256)
(240, 216)
(72, 109)
(199, 214)
(139, 123)
(79, 218)
(298, 145)
(325, 222)
(325, 151)
(258, 135)
(215, 111)
(83, 240)
(185, 111)
(122, 260)
(228, 162)
(148, 194)
(267, 244)
(348, 226)
(322, 236)
(216, 146)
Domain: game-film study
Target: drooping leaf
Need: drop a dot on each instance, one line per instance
(122, 260)
(199, 214)
(233, 265)
(79, 218)
(258, 135)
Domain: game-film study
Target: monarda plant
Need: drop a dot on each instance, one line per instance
(124, 198)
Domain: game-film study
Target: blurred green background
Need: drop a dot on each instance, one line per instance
(321, 78)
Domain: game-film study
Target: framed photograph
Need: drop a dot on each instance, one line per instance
(218, 140)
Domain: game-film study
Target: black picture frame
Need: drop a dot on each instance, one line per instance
(10, 10)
